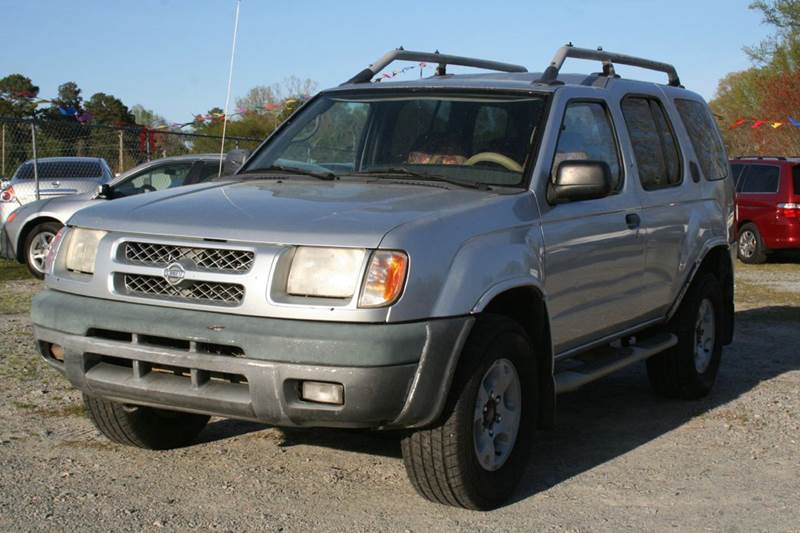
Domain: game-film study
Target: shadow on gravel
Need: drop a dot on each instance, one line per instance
(605, 419)
(615, 415)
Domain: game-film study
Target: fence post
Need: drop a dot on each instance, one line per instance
(147, 142)
(3, 172)
(35, 162)
(121, 149)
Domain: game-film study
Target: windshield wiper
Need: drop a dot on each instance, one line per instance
(404, 173)
(328, 176)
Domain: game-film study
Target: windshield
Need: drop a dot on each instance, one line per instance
(476, 140)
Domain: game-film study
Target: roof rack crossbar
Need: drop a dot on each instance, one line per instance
(442, 60)
(761, 157)
(550, 74)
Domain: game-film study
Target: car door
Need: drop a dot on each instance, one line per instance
(756, 197)
(666, 194)
(593, 251)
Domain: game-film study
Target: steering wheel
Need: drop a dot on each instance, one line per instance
(496, 158)
(148, 188)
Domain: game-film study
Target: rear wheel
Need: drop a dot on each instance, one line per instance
(689, 369)
(750, 247)
(143, 427)
(476, 455)
(37, 245)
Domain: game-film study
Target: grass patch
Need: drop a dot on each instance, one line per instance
(11, 270)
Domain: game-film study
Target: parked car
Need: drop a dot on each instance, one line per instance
(767, 204)
(58, 176)
(440, 256)
(33, 226)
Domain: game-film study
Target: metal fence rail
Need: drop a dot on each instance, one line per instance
(122, 147)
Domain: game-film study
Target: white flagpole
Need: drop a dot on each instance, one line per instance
(228, 96)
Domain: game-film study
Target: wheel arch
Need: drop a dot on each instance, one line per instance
(719, 261)
(526, 305)
(26, 229)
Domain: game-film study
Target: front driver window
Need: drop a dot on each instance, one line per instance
(154, 179)
(586, 135)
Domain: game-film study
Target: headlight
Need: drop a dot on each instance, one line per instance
(82, 249)
(325, 272)
(384, 279)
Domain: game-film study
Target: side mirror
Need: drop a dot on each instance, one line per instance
(104, 190)
(580, 180)
(234, 160)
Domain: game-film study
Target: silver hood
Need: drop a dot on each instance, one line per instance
(291, 211)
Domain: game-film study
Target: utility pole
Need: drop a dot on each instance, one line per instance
(121, 148)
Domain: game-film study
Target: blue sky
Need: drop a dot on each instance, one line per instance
(172, 55)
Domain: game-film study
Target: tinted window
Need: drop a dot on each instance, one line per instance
(207, 171)
(61, 169)
(705, 138)
(760, 178)
(796, 179)
(736, 173)
(654, 144)
(586, 134)
(155, 179)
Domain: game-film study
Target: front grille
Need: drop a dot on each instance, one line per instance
(195, 291)
(222, 259)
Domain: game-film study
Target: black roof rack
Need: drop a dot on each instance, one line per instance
(550, 75)
(442, 60)
(778, 157)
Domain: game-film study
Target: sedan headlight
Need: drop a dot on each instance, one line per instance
(325, 272)
(82, 250)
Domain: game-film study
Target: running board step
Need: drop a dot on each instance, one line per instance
(595, 364)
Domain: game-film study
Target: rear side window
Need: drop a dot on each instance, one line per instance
(705, 138)
(736, 173)
(587, 135)
(61, 169)
(760, 179)
(654, 144)
(796, 179)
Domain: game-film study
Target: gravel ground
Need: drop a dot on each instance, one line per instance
(619, 458)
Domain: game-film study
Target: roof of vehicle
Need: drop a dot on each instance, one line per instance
(765, 159)
(66, 159)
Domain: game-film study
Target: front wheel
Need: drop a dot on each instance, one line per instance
(37, 246)
(143, 427)
(475, 457)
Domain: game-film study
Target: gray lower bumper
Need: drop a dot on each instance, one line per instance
(168, 358)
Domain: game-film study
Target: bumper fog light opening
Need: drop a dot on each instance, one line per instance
(322, 392)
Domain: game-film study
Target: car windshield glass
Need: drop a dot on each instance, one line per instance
(463, 139)
(61, 169)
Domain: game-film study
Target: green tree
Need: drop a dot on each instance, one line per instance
(779, 52)
(107, 109)
(16, 93)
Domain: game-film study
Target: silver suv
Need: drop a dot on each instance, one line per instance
(442, 256)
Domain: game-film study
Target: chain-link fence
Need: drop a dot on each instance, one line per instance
(22, 140)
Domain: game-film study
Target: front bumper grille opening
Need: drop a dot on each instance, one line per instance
(121, 336)
(199, 291)
(164, 342)
(219, 349)
(219, 259)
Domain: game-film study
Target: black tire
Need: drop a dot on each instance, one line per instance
(45, 228)
(143, 427)
(750, 246)
(674, 373)
(442, 461)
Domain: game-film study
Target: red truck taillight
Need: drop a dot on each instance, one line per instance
(788, 210)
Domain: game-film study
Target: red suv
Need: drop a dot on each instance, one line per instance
(767, 205)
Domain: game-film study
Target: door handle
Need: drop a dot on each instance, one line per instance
(55, 184)
(632, 220)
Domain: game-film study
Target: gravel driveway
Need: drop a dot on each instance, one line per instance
(619, 458)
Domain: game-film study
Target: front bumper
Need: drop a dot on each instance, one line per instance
(394, 375)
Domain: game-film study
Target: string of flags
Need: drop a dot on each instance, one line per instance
(755, 124)
(392, 74)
